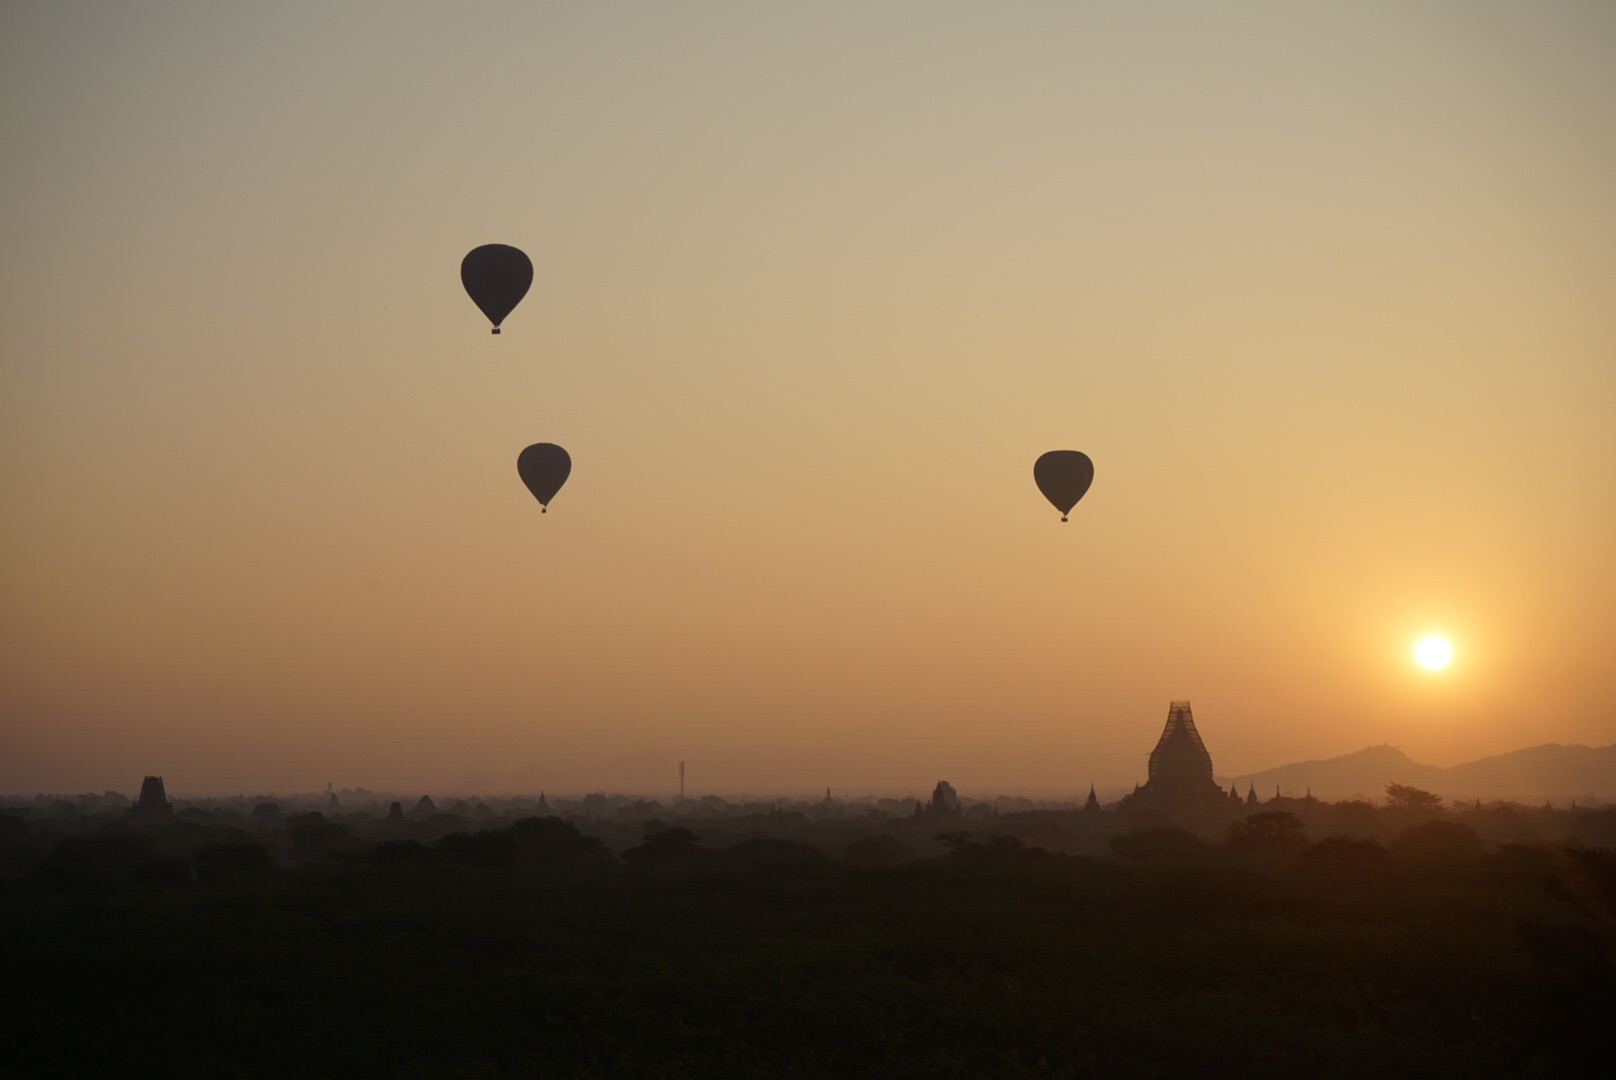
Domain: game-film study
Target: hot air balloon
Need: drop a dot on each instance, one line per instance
(544, 467)
(496, 276)
(1063, 476)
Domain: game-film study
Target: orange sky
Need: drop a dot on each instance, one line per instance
(1326, 294)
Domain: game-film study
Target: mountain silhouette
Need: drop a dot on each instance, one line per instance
(1550, 771)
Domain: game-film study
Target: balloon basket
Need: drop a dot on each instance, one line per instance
(495, 330)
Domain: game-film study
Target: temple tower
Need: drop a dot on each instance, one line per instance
(1180, 759)
(1181, 783)
(153, 803)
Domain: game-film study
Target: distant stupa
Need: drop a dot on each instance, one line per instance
(153, 803)
(945, 802)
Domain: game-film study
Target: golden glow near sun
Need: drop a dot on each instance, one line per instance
(1433, 652)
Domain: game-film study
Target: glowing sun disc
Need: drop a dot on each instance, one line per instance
(1433, 652)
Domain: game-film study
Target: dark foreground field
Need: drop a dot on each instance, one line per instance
(779, 964)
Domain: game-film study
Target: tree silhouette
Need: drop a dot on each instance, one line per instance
(1347, 853)
(1403, 797)
(1168, 842)
(872, 851)
(670, 845)
(1271, 831)
(548, 840)
(1438, 839)
(485, 849)
(995, 849)
(397, 852)
(314, 837)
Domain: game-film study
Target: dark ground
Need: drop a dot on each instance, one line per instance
(773, 961)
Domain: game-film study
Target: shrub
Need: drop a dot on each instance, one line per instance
(773, 849)
(485, 849)
(545, 841)
(234, 854)
(1437, 840)
(869, 852)
(313, 837)
(1353, 818)
(94, 861)
(1169, 842)
(998, 849)
(398, 852)
(1268, 832)
(1595, 828)
(1347, 853)
(670, 845)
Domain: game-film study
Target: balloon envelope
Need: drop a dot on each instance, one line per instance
(544, 467)
(496, 276)
(1063, 476)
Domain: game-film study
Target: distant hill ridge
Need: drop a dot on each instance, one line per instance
(1537, 773)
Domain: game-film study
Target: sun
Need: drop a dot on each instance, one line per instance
(1433, 652)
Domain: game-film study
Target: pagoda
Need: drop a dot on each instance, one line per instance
(153, 805)
(1180, 760)
(1181, 782)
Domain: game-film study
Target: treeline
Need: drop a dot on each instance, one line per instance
(1295, 938)
(98, 844)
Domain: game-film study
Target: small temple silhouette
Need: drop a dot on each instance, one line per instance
(153, 804)
(944, 805)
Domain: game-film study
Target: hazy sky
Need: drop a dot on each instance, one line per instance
(1327, 292)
